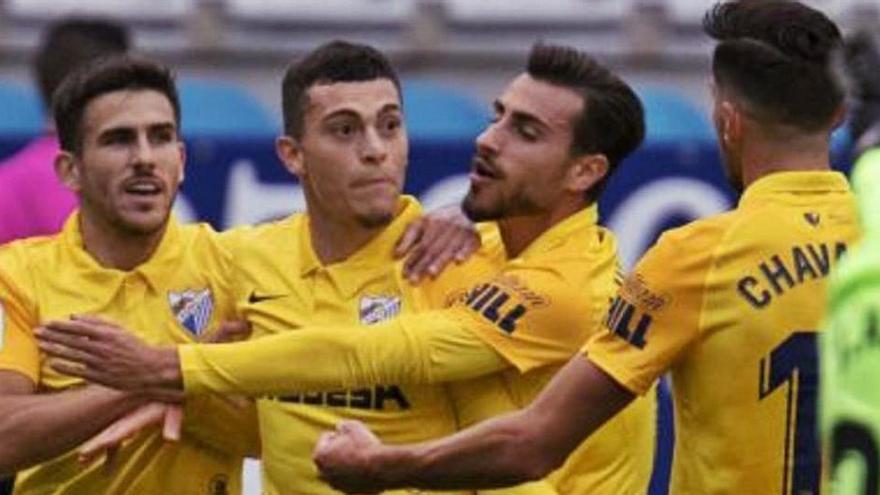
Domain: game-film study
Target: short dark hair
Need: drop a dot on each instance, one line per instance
(776, 56)
(106, 76)
(71, 42)
(336, 61)
(612, 121)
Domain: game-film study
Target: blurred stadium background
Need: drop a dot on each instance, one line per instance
(454, 55)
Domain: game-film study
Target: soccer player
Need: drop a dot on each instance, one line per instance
(121, 256)
(850, 407)
(729, 304)
(849, 403)
(345, 141)
(550, 272)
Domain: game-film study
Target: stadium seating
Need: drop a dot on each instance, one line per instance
(222, 109)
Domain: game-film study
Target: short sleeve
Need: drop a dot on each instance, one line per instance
(530, 315)
(18, 347)
(655, 315)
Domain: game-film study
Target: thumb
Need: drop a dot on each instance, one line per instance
(409, 238)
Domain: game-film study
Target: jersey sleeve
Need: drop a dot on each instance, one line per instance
(18, 347)
(655, 315)
(425, 348)
(532, 316)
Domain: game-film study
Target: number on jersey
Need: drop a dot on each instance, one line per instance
(795, 363)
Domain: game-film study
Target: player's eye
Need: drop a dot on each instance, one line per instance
(162, 136)
(527, 131)
(390, 125)
(344, 129)
(120, 136)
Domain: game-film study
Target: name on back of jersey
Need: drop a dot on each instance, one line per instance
(780, 272)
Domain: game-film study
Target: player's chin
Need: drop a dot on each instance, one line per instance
(144, 222)
(377, 215)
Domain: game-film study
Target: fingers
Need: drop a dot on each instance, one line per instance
(74, 353)
(409, 239)
(445, 235)
(124, 428)
(172, 423)
(91, 327)
(230, 331)
(423, 255)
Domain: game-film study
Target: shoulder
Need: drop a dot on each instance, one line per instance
(21, 261)
(264, 235)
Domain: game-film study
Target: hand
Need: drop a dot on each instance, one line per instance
(111, 438)
(229, 331)
(105, 353)
(343, 458)
(434, 240)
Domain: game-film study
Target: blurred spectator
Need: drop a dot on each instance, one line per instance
(34, 202)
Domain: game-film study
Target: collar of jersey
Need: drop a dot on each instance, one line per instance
(793, 182)
(351, 273)
(580, 221)
(156, 269)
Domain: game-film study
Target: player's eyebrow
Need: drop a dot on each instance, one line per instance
(390, 107)
(521, 116)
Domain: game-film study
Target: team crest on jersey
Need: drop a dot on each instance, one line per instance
(193, 309)
(374, 309)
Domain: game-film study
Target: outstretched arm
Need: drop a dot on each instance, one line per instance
(431, 347)
(518, 447)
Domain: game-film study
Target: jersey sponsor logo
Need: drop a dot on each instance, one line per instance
(374, 309)
(494, 304)
(255, 298)
(377, 398)
(192, 309)
(626, 321)
(775, 275)
(637, 290)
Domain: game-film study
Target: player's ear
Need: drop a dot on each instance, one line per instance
(290, 153)
(731, 122)
(181, 146)
(67, 170)
(586, 171)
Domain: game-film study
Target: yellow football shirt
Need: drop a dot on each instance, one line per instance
(537, 312)
(731, 304)
(174, 297)
(282, 285)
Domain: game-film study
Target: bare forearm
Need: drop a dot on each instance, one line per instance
(39, 427)
(518, 447)
(498, 453)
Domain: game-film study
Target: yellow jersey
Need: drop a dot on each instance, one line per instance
(536, 311)
(282, 285)
(175, 297)
(731, 304)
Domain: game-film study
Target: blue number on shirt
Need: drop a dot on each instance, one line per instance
(795, 363)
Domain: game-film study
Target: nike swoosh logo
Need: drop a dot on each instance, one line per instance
(255, 298)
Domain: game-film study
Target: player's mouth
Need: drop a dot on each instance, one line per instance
(143, 187)
(482, 170)
(373, 182)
